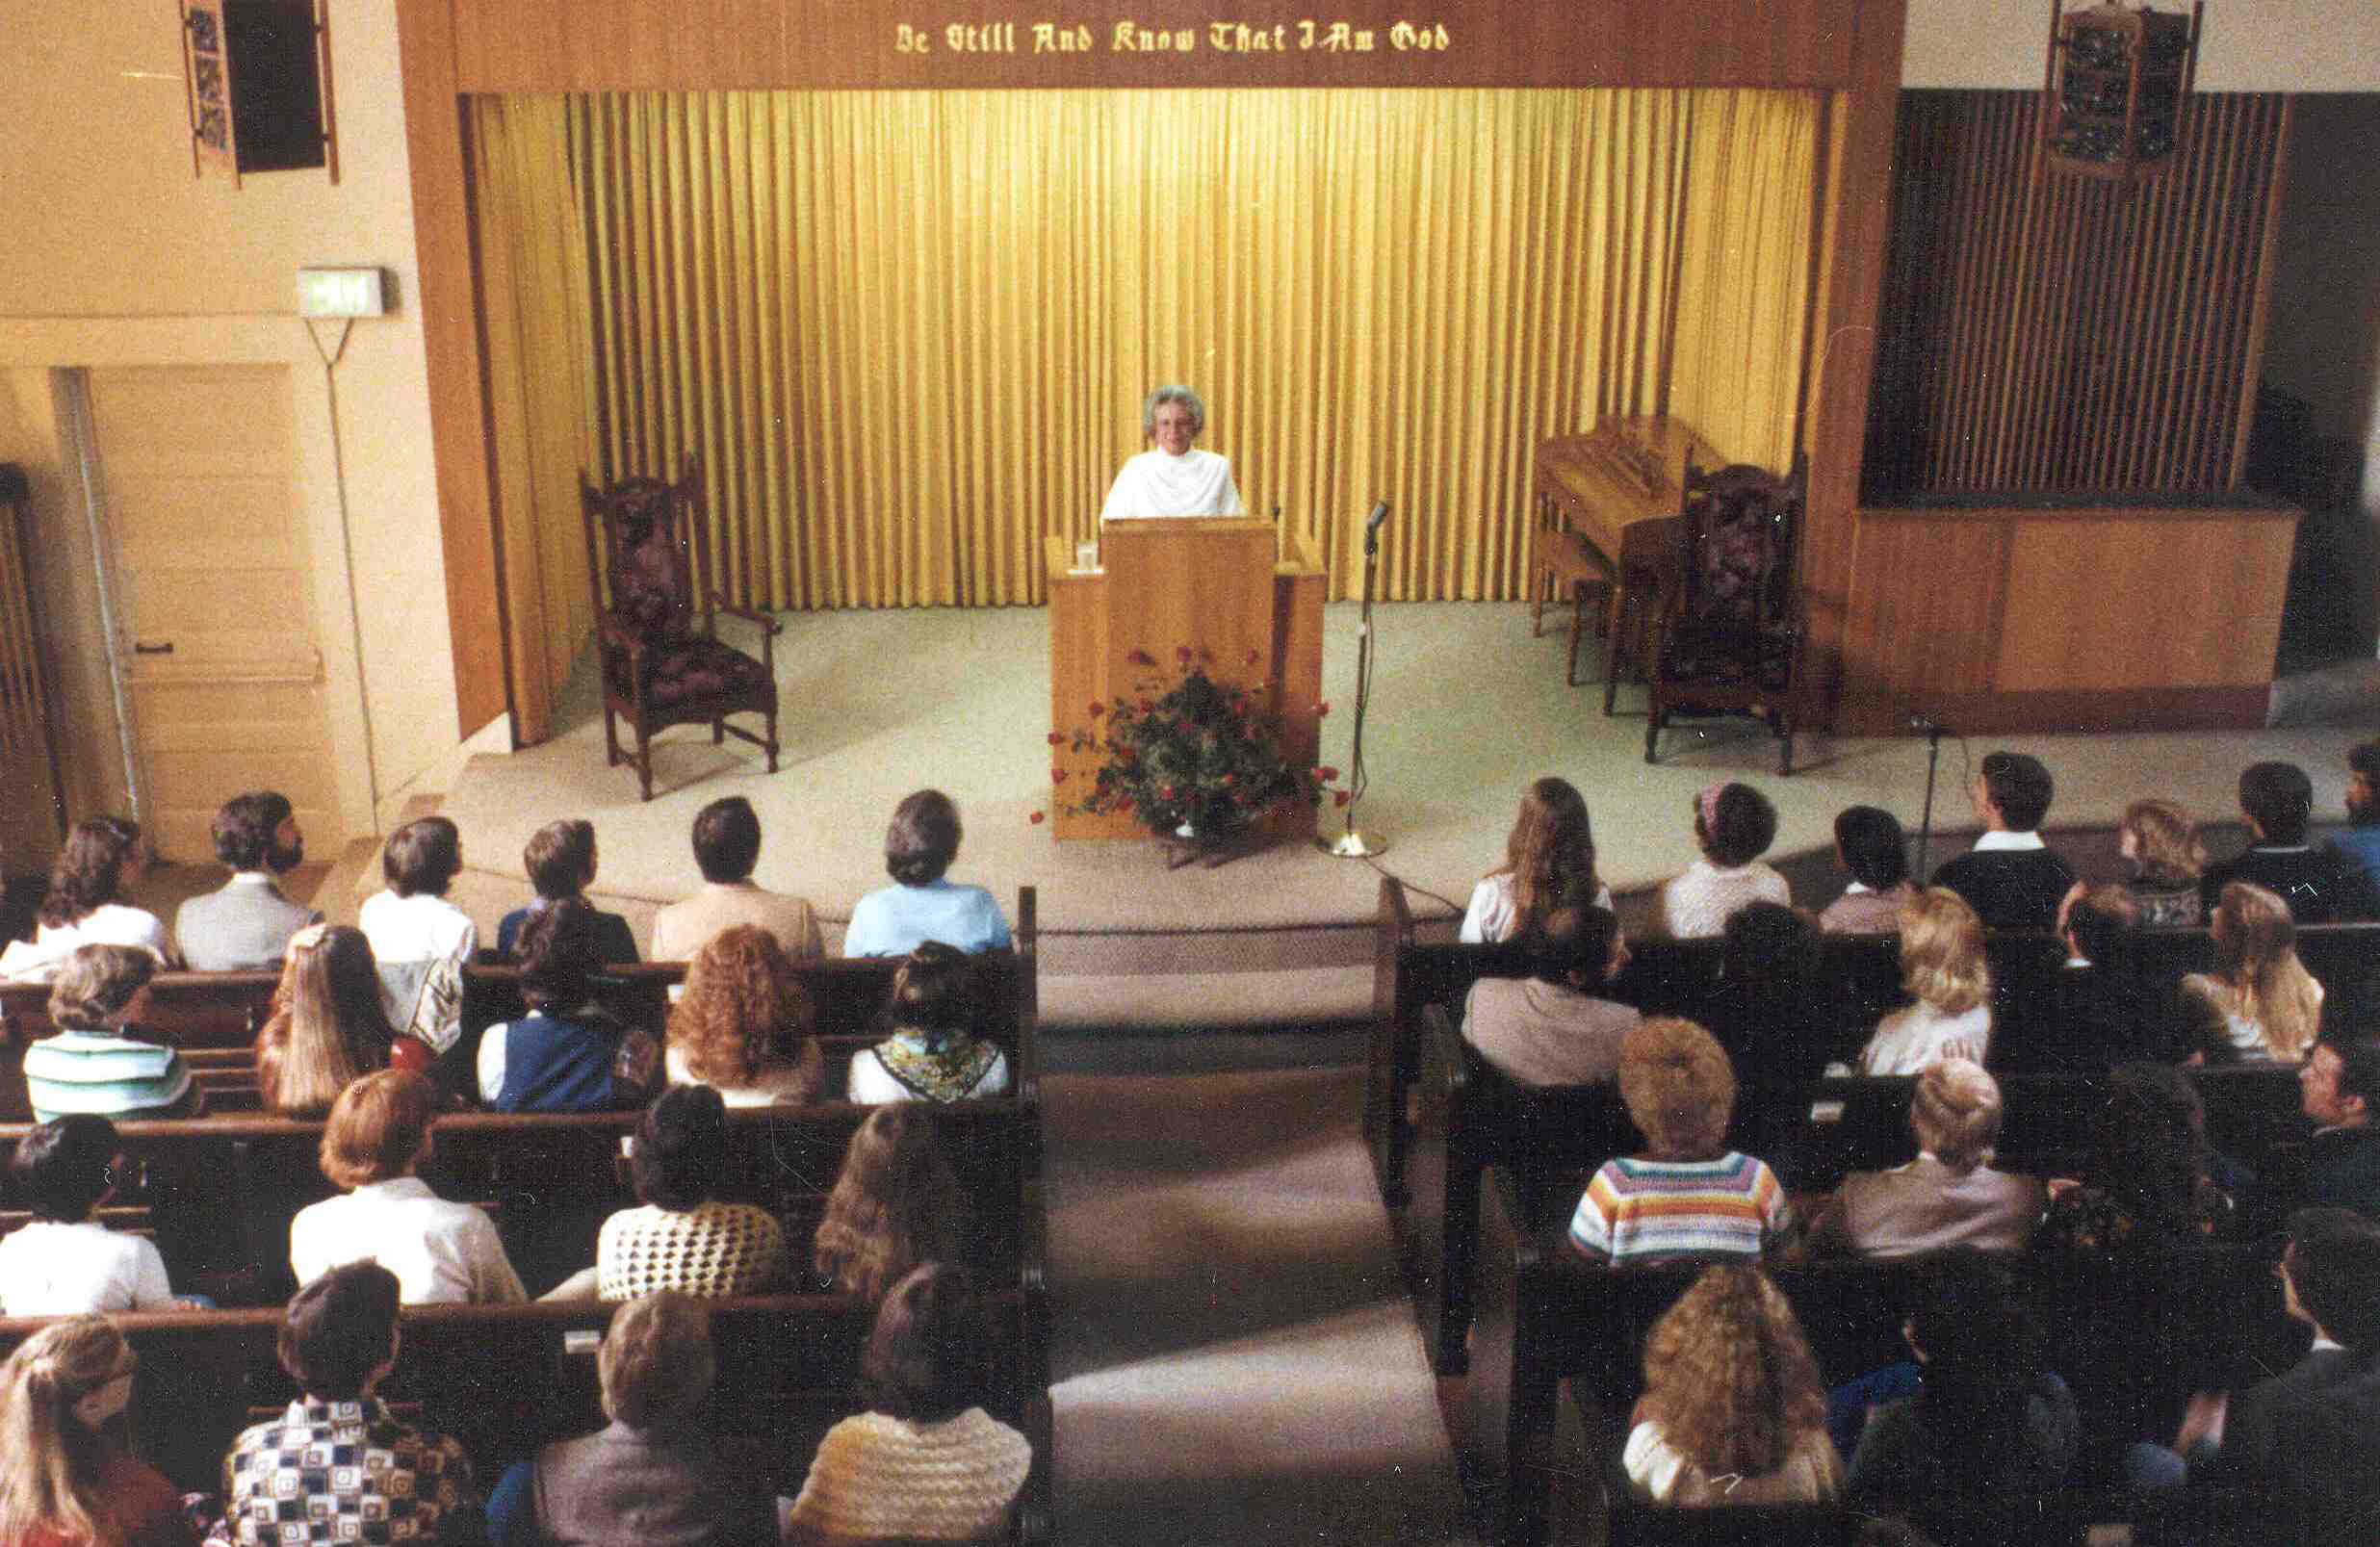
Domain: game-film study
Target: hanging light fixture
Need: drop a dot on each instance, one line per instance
(2113, 90)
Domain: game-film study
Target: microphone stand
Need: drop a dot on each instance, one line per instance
(1355, 845)
(1933, 756)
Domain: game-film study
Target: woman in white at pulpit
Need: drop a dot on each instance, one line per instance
(1173, 479)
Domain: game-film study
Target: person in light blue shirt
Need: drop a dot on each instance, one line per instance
(918, 847)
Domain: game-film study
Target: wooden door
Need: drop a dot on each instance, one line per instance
(211, 583)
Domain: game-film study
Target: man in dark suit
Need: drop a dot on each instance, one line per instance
(2011, 879)
(2306, 1441)
(2320, 884)
(2338, 1087)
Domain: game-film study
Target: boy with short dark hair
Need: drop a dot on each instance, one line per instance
(2010, 878)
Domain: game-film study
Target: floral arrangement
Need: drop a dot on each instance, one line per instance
(1187, 752)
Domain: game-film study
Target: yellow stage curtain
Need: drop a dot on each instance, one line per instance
(909, 333)
(541, 390)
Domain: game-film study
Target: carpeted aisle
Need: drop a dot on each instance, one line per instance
(1235, 1358)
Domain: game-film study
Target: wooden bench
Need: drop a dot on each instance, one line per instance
(1544, 1316)
(504, 1380)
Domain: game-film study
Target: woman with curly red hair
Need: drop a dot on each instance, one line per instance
(1733, 1410)
(744, 1025)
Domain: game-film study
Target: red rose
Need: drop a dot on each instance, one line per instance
(1329, 774)
(1057, 776)
(1142, 658)
(1125, 806)
(1182, 653)
(1147, 704)
(1255, 655)
(1097, 709)
(1340, 797)
(1229, 780)
(1035, 818)
(1055, 739)
(1166, 792)
(1323, 707)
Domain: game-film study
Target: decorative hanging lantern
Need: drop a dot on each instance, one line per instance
(2112, 93)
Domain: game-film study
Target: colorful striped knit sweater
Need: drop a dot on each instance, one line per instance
(1660, 1210)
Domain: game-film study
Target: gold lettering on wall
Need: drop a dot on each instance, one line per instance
(1229, 37)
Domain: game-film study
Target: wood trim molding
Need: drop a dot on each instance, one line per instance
(2052, 712)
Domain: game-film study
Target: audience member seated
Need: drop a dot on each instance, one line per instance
(421, 941)
(1871, 846)
(559, 857)
(921, 906)
(2010, 878)
(1689, 1195)
(2320, 886)
(2162, 843)
(1734, 824)
(2361, 842)
(566, 1055)
(378, 1138)
(336, 1466)
(1549, 863)
(244, 925)
(2336, 1088)
(2260, 1002)
(742, 1027)
(2307, 1440)
(94, 1062)
(1551, 1028)
(656, 1475)
(925, 1461)
(65, 1263)
(1942, 966)
(103, 860)
(897, 1205)
(1733, 1411)
(1770, 1014)
(2149, 1186)
(929, 1055)
(1949, 1198)
(1992, 1428)
(2094, 1017)
(727, 845)
(329, 1025)
(65, 1479)
(681, 1237)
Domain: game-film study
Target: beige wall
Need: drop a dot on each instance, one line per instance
(2247, 46)
(114, 255)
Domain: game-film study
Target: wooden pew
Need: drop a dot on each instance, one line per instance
(1544, 1316)
(504, 1380)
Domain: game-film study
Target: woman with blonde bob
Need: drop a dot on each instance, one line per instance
(1942, 967)
(1549, 863)
(1949, 1198)
(744, 1025)
(895, 1205)
(1733, 1410)
(2161, 842)
(2260, 1001)
(1689, 1195)
(329, 1026)
(64, 1480)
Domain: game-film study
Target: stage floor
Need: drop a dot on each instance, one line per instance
(1466, 710)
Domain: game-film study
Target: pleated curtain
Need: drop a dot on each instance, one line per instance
(908, 334)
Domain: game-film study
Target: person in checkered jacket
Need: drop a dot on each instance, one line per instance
(335, 1466)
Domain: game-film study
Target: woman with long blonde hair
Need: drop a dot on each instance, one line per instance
(2260, 1001)
(1549, 863)
(895, 1205)
(1943, 968)
(2161, 842)
(329, 1026)
(1733, 1410)
(744, 1025)
(65, 1481)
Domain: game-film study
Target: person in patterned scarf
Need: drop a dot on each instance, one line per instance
(929, 1055)
(336, 1465)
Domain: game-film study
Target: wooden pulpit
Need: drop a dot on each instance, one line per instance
(1221, 586)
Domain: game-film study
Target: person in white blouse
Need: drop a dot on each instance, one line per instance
(1549, 863)
(65, 1263)
(1735, 824)
(1943, 967)
(421, 941)
(1173, 479)
(441, 1252)
(102, 861)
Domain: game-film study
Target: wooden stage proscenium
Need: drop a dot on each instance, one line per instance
(1222, 585)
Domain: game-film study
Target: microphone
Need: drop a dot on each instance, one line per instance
(1928, 726)
(1380, 514)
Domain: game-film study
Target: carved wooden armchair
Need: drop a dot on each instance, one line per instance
(648, 560)
(1731, 633)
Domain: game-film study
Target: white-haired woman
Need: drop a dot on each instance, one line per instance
(1173, 479)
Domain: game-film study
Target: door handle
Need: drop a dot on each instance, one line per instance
(140, 648)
